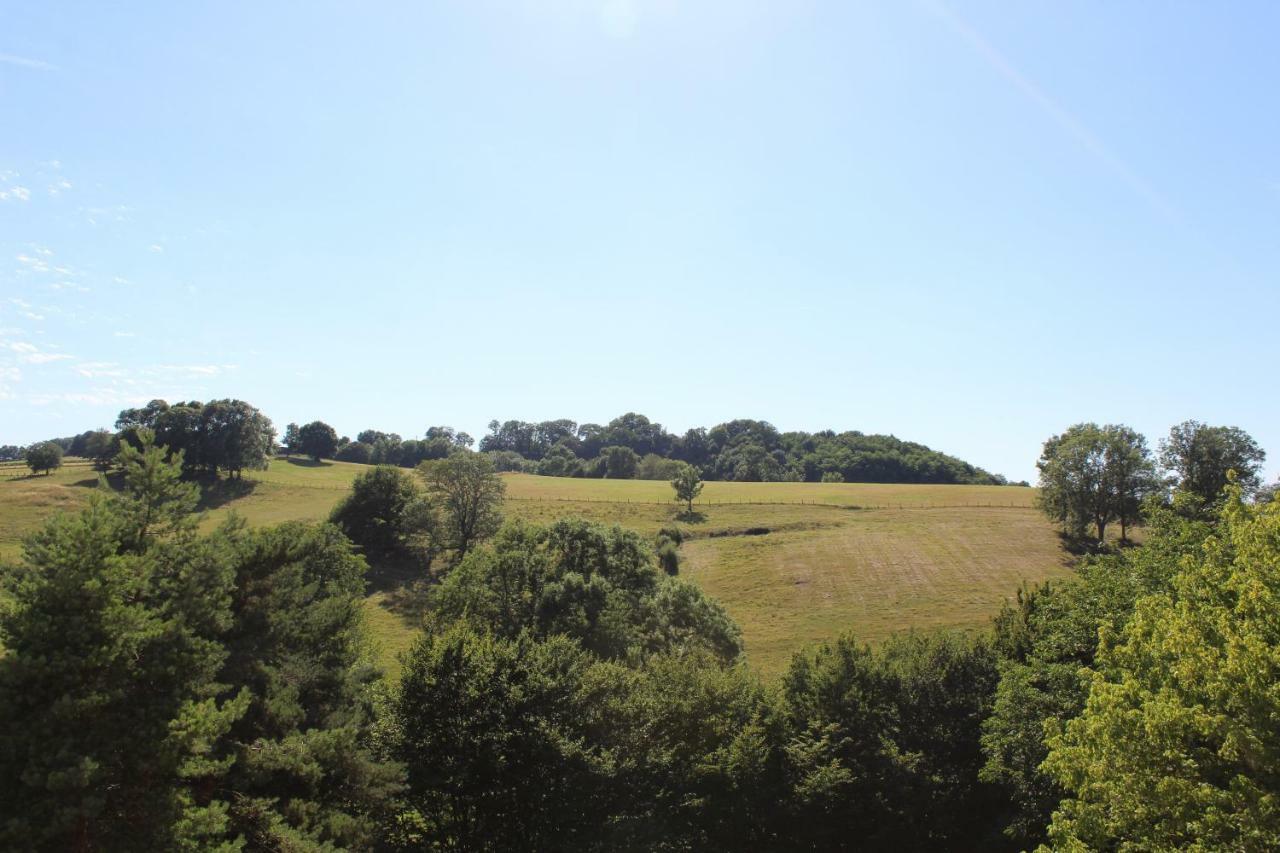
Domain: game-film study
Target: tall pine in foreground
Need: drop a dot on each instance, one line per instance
(160, 689)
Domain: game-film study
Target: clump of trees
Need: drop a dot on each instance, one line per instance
(228, 436)
(737, 450)
(1092, 476)
(1176, 746)
(451, 505)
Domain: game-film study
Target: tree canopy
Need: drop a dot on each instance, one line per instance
(1200, 456)
(43, 457)
(221, 435)
(1091, 476)
(1177, 745)
(469, 495)
(162, 689)
(317, 440)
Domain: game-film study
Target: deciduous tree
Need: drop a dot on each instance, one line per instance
(44, 457)
(374, 514)
(1092, 476)
(317, 440)
(1200, 456)
(687, 484)
(1177, 746)
(469, 493)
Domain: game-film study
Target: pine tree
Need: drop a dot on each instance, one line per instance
(111, 717)
(164, 690)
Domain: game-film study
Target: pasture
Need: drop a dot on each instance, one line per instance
(793, 563)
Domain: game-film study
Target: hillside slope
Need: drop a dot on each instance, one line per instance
(792, 562)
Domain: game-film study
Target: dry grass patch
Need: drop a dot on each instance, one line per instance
(883, 571)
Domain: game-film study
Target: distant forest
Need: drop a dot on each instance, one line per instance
(632, 446)
(221, 433)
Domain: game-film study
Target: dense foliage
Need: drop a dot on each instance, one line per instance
(737, 450)
(161, 689)
(594, 584)
(1177, 746)
(1091, 476)
(44, 457)
(1200, 457)
(221, 435)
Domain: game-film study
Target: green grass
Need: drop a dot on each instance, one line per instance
(836, 557)
(529, 486)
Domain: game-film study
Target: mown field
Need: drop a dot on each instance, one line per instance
(792, 562)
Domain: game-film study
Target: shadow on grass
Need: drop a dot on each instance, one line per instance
(18, 478)
(1087, 546)
(307, 462)
(404, 582)
(219, 493)
(114, 479)
(694, 517)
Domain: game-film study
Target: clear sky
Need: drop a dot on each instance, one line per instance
(967, 224)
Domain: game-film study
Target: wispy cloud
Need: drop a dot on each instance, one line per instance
(8, 376)
(157, 248)
(32, 263)
(29, 353)
(1058, 114)
(15, 194)
(99, 369)
(24, 62)
(45, 357)
(194, 369)
(93, 397)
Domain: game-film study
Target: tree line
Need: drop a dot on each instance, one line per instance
(631, 446)
(231, 436)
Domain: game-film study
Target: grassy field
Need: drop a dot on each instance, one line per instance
(792, 562)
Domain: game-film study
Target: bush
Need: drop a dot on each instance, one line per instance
(669, 557)
(509, 460)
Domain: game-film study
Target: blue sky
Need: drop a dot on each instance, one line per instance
(967, 224)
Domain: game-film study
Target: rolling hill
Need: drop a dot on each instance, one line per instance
(792, 562)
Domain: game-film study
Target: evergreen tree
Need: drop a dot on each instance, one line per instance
(163, 690)
(112, 718)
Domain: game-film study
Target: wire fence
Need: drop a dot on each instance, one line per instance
(827, 504)
(697, 504)
(16, 470)
(19, 467)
